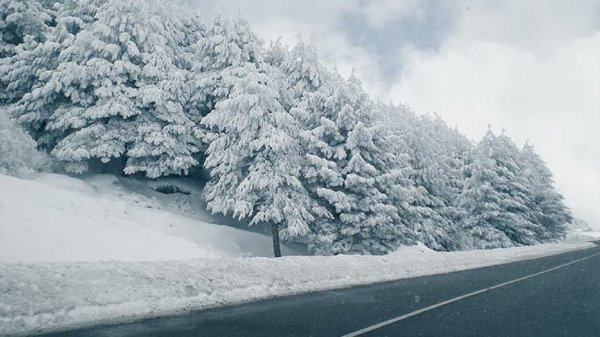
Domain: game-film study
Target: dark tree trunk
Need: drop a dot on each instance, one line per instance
(276, 245)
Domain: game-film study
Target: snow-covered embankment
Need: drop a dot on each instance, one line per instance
(63, 295)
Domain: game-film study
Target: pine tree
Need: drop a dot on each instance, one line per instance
(350, 172)
(304, 71)
(277, 54)
(509, 159)
(165, 141)
(23, 20)
(427, 149)
(18, 151)
(34, 34)
(547, 205)
(481, 203)
(496, 196)
(116, 93)
(433, 228)
(308, 85)
(255, 160)
(23, 26)
(228, 43)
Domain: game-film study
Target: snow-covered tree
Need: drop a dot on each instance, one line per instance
(228, 43)
(21, 20)
(23, 25)
(18, 152)
(35, 32)
(306, 85)
(438, 158)
(496, 197)
(116, 93)
(432, 155)
(304, 71)
(508, 157)
(425, 214)
(276, 54)
(547, 206)
(166, 140)
(255, 160)
(481, 203)
(349, 171)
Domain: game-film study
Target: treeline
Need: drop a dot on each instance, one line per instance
(146, 87)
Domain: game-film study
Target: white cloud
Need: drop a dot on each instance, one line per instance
(537, 26)
(379, 13)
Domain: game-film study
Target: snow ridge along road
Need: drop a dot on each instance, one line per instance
(58, 296)
(563, 302)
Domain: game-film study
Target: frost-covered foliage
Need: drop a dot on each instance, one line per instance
(255, 158)
(144, 87)
(546, 205)
(227, 44)
(435, 156)
(18, 153)
(467, 196)
(498, 196)
(41, 32)
(351, 171)
(113, 88)
(21, 20)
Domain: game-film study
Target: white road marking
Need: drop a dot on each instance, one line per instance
(441, 304)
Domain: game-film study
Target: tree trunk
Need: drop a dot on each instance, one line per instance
(276, 245)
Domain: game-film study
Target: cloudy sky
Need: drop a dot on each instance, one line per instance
(529, 66)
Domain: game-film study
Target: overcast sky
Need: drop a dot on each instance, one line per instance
(530, 66)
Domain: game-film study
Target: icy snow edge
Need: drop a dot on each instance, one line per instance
(43, 297)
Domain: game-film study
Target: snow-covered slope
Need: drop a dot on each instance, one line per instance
(58, 218)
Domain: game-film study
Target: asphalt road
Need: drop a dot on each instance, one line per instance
(559, 296)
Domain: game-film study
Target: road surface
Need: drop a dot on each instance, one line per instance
(552, 296)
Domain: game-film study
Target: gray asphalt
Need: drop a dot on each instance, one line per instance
(563, 302)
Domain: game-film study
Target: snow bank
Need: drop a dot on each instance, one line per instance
(58, 218)
(65, 295)
(583, 235)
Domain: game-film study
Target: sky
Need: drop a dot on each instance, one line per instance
(530, 67)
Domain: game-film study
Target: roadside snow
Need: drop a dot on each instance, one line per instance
(54, 296)
(583, 235)
(57, 218)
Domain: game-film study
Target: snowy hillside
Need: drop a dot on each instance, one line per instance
(59, 218)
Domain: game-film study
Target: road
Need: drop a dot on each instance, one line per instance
(552, 296)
